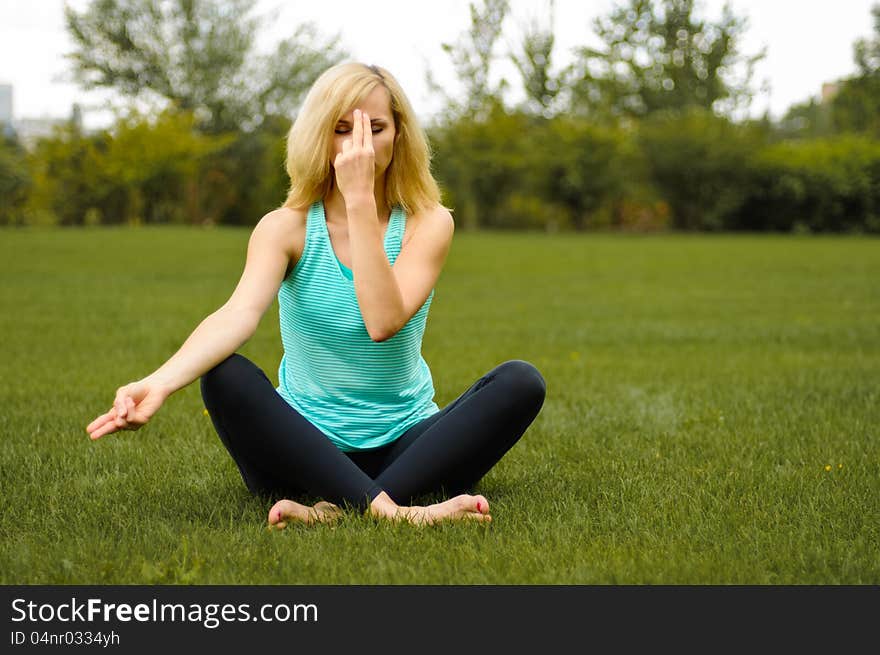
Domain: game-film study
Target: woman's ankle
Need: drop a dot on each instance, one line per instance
(383, 506)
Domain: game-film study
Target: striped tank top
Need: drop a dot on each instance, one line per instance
(359, 393)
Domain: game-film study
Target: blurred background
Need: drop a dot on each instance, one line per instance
(628, 115)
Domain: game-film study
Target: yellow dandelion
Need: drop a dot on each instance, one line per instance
(840, 466)
(828, 467)
(205, 412)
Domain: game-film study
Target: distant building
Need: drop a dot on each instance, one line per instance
(30, 130)
(829, 90)
(5, 104)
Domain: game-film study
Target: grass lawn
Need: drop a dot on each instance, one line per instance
(713, 415)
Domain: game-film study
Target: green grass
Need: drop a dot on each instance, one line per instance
(698, 386)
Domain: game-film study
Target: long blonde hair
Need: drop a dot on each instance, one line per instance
(408, 179)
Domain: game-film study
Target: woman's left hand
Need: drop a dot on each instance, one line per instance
(355, 165)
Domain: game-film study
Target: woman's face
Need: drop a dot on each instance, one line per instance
(377, 105)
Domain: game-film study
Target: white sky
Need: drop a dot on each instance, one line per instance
(808, 43)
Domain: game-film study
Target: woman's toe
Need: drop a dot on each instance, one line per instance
(279, 513)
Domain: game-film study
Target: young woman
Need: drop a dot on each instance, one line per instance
(353, 257)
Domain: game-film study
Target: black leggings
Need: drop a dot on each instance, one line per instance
(278, 451)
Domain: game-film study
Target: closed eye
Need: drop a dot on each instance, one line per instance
(376, 130)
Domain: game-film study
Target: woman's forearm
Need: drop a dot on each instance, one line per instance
(377, 291)
(216, 337)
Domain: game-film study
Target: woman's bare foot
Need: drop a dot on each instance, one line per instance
(461, 508)
(287, 511)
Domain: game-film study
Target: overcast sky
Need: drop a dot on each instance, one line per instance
(808, 43)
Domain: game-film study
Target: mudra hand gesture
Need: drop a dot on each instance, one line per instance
(133, 406)
(355, 166)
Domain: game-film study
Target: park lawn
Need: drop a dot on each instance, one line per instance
(712, 415)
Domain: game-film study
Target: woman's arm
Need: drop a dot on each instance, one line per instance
(217, 336)
(388, 296)
(228, 328)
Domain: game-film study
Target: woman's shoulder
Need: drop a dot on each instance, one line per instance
(287, 227)
(435, 214)
(286, 218)
(434, 222)
(435, 217)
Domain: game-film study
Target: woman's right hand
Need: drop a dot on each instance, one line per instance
(134, 405)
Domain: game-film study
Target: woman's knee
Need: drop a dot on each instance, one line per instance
(225, 375)
(526, 382)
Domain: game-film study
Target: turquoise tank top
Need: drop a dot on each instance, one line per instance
(359, 393)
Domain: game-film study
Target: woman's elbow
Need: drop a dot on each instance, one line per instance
(380, 333)
(378, 336)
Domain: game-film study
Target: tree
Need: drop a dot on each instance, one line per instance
(700, 163)
(541, 86)
(658, 55)
(856, 107)
(154, 163)
(145, 169)
(197, 54)
(581, 167)
(472, 56)
(479, 164)
(15, 180)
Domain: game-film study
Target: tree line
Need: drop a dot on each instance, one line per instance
(647, 130)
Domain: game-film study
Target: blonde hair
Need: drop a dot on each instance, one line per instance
(408, 179)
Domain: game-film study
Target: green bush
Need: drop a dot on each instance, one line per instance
(248, 178)
(585, 169)
(514, 170)
(700, 164)
(511, 170)
(143, 170)
(479, 164)
(68, 180)
(15, 181)
(820, 185)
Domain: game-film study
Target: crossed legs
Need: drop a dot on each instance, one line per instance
(278, 451)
